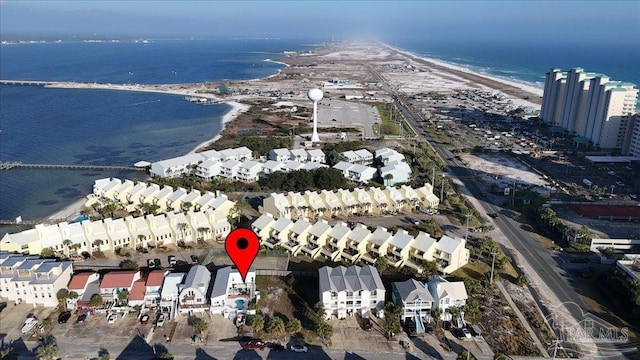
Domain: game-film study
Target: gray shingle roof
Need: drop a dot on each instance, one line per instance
(353, 278)
(412, 290)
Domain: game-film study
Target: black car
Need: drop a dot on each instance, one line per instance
(3, 305)
(151, 264)
(157, 263)
(64, 317)
(194, 258)
(275, 346)
(81, 319)
(493, 215)
(457, 333)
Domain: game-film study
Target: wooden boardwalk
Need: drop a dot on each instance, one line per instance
(17, 164)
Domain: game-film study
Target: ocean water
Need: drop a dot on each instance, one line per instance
(72, 126)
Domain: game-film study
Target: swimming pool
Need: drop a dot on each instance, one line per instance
(241, 304)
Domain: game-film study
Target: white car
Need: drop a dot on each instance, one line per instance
(161, 320)
(299, 348)
(29, 324)
(111, 319)
(466, 333)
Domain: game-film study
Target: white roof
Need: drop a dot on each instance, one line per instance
(350, 155)
(281, 152)
(313, 165)
(181, 160)
(339, 231)
(227, 153)
(423, 242)
(359, 233)
(299, 153)
(447, 245)
(343, 166)
(300, 226)
(362, 169)
(364, 153)
(230, 164)
(347, 197)
(444, 288)
(170, 285)
(281, 224)
(243, 150)
(293, 165)
(211, 154)
(250, 164)
(320, 228)
(263, 221)
(380, 236)
(209, 163)
(401, 239)
(315, 153)
(273, 165)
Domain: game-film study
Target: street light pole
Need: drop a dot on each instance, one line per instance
(442, 189)
(493, 262)
(466, 233)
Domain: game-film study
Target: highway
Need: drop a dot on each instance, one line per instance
(526, 247)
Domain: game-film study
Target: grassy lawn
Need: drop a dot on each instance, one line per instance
(473, 270)
(395, 127)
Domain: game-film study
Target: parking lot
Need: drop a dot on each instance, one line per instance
(336, 113)
(348, 334)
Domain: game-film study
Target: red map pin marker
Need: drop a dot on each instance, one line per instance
(242, 246)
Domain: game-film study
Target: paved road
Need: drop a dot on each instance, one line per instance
(526, 246)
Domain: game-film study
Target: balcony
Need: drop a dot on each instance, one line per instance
(350, 254)
(369, 257)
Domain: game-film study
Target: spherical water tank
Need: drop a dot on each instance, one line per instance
(315, 95)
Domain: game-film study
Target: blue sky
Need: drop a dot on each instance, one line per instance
(615, 21)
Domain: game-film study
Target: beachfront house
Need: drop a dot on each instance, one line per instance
(170, 293)
(209, 169)
(80, 284)
(413, 298)
(230, 294)
(194, 290)
(229, 169)
(446, 295)
(115, 282)
(279, 155)
(177, 166)
(249, 171)
(349, 291)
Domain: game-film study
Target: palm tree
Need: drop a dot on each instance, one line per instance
(66, 244)
(141, 238)
(47, 351)
(436, 314)
(202, 230)
(182, 227)
(381, 264)
(76, 247)
(186, 206)
(96, 244)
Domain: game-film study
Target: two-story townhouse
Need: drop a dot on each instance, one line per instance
(115, 282)
(229, 169)
(177, 166)
(77, 243)
(136, 295)
(244, 153)
(297, 204)
(139, 230)
(194, 291)
(292, 166)
(160, 230)
(365, 157)
(344, 168)
(200, 224)
(230, 294)
(398, 249)
(377, 245)
(421, 249)
(203, 201)
(336, 241)
(279, 155)
(262, 226)
(279, 232)
(249, 171)
(212, 155)
(169, 294)
(105, 187)
(188, 202)
(277, 205)
(161, 197)
(349, 202)
(348, 291)
(121, 191)
(315, 204)
(410, 196)
(363, 198)
(316, 155)
(209, 169)
(271, 166)
(381, 203)
(81, 284)
(317, 239)
(298, 236)
(299, 155)
(118, 233)
(451, 254)
(446, 295)
(397, 200)
(228, 154)
(132, 200)
(220, 226)
(355, 243)
(333, 204)
(153, 285)
(9, 270)
(428, 198)
(350, 156)
(181, 227)
(222, 203)
(414, 300)
(174, 200)
(148, 195)
(361, 173)
(97, 236)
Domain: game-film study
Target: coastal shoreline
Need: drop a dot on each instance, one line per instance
(237, 108)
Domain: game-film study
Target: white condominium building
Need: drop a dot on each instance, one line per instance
(589, 105)
(347, 291)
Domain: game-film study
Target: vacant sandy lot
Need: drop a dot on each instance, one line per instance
(505, 168)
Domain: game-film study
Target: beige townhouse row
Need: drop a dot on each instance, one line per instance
(359, 201)
(133, 195)
(360, 244)
(113, 234)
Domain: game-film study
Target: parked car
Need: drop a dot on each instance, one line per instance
(367, 325)
(29, 324)
(493, 215)
(466, 333)
(151, 264)
(144, 319)
(254, 344)
(475, 330)
(111, 318)
(275, 346)
(157, 263)
(299, 348)
(64, 317)
(81, 319)
(413, 220)
(457, 332)
(194, 258)
(172, 260)
(3, 305)
(160, 321)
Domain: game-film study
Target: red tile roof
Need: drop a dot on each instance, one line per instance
(138, 290)
(156, 277)
(79, 281)
(118, 279)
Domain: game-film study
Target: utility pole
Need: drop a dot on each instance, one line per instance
(433, 176)
(466, 233)
(442, 189)
(493, 262)
(513, 196)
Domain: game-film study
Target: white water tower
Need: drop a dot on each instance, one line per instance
(315, 95)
